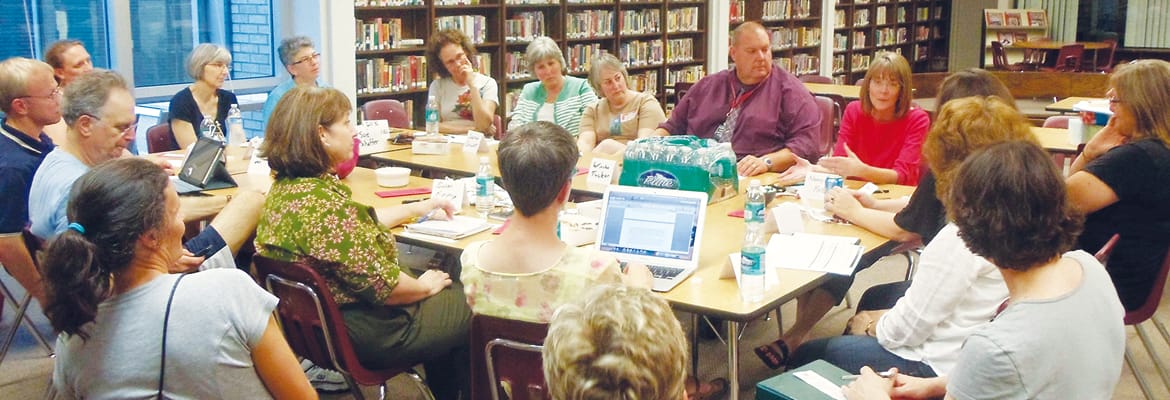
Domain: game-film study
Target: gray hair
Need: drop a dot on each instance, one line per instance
(14, 76)
(203, 54)
(605, 60)
(543, 48)
(89, 93)
(289, 47)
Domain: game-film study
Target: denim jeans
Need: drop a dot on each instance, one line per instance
(851, 352)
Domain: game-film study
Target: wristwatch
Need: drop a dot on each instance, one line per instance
(768, 162)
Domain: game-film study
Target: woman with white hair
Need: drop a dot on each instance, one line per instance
(622, 113)
(208, 65)
(555, 97)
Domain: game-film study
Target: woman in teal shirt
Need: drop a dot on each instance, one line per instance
(555, 97)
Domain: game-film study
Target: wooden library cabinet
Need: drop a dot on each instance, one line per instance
(916, 29)
(795, 29)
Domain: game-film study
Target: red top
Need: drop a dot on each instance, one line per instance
(895, 145)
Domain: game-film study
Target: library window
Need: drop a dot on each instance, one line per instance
(148, 40)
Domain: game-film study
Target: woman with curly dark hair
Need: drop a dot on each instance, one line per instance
(449, 53)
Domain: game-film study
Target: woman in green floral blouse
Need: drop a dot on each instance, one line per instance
(309, 216)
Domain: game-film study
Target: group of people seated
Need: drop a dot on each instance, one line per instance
(1006, 236)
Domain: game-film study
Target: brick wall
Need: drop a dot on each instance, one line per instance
(250, 39)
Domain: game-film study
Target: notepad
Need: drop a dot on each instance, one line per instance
(812, 252)
(457, 227)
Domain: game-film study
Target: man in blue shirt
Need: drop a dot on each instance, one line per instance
(30, 98)
(303, 63)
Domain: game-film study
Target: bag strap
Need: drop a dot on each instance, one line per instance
(162, 369)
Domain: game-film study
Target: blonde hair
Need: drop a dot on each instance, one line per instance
(892, 65)
(14, 75)
(617, 342)
(1144, 87)
(966, 125)
(203, 54)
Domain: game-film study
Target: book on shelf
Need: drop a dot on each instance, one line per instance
(1005, 38)
(580, 56)
(515, 66)
(691, 73)
(1011, 18)
(523, 27)
(642, 21)
(589, 24)
(514, 2)
(738, 11)
(639, 53)
(472, 26)
(680, 50)
(861, 17)
(378, 33)
(880, 18)
(839, 21)
(1020, 37)
(902, 15)
(400, 73)
(684, 19)
(386, 3)
(456, 2)
(646, 82)
(777, 10)
(994, 18)
(1037, 18)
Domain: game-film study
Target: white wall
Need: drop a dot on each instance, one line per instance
(330, 24)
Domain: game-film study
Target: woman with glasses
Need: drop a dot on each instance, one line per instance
(209, 65)
(1121, 181)
(881, 135)
(449, 53)
(303, 63)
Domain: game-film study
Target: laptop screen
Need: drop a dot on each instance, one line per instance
(650, 224)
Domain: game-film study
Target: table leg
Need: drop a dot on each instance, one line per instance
(733, 360)
(695, 345)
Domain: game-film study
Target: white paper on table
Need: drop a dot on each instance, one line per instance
(1096, 107)
(812, 252)
(770, 278)
(821, 383)
(788, 219)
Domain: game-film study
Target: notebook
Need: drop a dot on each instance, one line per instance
(660, 228)
(204, 168)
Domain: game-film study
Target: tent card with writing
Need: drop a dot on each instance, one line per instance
(601, 171)
(474, 143)
(448, 189)
(372, 132)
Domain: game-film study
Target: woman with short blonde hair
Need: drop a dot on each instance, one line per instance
(209, 65)
(621, 114)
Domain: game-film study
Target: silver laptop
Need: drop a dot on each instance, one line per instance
(658, 227)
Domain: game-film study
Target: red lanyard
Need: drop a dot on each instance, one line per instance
(737, 101)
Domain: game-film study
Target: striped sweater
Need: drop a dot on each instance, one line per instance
(571, 103)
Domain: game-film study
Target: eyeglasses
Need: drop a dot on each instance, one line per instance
(133, 125)
(315, 57)
(52, 95)
(220, 65)
(1111, 95)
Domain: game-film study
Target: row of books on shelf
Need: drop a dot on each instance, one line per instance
(640, 21)
(515, 66)
(472, 26)
(682, 19)
(646, 82)
(799, 64)
(378, 33)
(738, 11)
(589, 24)
(1009, 37)
(784, 38)
(400, 73)
(1009, 18)
(775, 10)
(890, 36)
(638, 53)
(857, 62)
(524, 27)
(386, 3)
(580, 56)
(680, 50)
(691, 73)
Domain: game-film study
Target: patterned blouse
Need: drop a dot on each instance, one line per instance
(534, 296)
(315, 221)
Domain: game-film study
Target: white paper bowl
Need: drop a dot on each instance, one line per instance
(392, 176)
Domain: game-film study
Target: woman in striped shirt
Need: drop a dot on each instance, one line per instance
(555, 97)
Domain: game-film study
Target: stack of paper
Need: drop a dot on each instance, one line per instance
(457, 227)
(813, 252)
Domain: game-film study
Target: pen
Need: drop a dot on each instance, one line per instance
(883, 374)
(415, 200)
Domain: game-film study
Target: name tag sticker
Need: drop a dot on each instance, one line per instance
(601, 171)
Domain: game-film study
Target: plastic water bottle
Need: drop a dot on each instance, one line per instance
(432, 115)
(751, 263)
(754, 209)
(484, 186)
(235, 123)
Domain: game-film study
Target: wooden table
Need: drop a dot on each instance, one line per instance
(1055, 140)
(1051, 47)
(848, 92)
(1066, 105)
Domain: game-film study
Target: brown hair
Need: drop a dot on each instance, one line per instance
(441, 39)
(1010, 205)
(1144, 87)
(972, 82)
(53, 55)
(291, 142)
(889, 64)
(536, 160)
(966, 125)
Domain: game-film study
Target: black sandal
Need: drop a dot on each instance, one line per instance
(774, 355)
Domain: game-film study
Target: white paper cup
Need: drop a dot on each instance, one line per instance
(392, 176)
(1076, 130)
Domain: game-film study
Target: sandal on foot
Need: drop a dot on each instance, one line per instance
(717, 389)
(774, 355)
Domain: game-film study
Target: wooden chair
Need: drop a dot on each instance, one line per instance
(1068, 59)
(1144, 315)
(388, 109)
(159, 138)
(1104, 58)
(314, 328)
(506, 353)
(999, 59)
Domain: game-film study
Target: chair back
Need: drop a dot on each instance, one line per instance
(827, 135)
(1105, 56)
(860, 82)
(998, 55)
(680, 90)
(159, 138)
(1103, 254)
(33, 244)
(388, 109)
(1058, 121)
(506, 352)
(311, 320)
(1069, 57)
(500, 127)
(1141, 314)
(815, 79)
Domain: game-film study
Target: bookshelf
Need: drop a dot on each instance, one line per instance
(662, 42)
(916, 29)
(1012, 26)
(794, 27)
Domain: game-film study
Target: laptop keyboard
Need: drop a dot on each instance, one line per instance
(663, 272)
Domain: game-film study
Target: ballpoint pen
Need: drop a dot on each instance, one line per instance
(883, 374)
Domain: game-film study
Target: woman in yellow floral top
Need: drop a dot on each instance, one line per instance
(551, 273)
(309, 216)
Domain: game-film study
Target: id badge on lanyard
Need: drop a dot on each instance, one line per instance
(726, 129)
